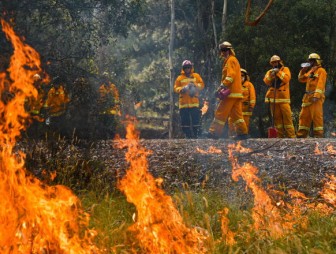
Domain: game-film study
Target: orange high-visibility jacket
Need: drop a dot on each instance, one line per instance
(109, 99)
(35, 104)
(282, 94)
(231, 77)
(315, 85)
(249, 97)
(56, 101)
(185, 100)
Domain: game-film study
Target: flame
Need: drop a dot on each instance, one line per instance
(331, 150)
(329, 191)
(317, 150)
(137, 105)
(227, 234)
(267, 217)
(211, 150)
(205, 107)
(35, 218)
(158, 227)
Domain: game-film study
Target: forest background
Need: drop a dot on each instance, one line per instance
(130, 40)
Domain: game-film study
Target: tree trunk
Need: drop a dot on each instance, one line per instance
(214, 23)
(172, 76)
(224, 15)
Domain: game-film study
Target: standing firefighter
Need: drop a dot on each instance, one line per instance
(249, 99)
(109, 109)
(187, 85)
(231, 106)
(34, 106)
(56, 105)
(313, 99)
(278, 96)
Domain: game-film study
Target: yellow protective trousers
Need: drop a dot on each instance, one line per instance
(308, 115)
(230, 107)
(283, 121)
(232, 127)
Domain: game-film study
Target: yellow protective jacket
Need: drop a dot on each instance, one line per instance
(109, 100)
(315, 84)
(282, 92)
(185, 100)
(34, 105)
(231, 77)
(249, 97)
(57, 100)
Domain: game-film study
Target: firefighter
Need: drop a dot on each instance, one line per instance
(249, 100)
(34, 106)
(278, 97)
(109, 108)
(312, 103)
(188, 85)
(231, 106)
(56, 105)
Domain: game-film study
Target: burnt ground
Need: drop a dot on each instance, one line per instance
(282, 163)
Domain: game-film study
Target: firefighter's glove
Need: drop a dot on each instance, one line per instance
(192, 90)
(274, 72)
(184, 89)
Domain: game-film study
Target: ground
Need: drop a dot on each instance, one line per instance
(283, 164)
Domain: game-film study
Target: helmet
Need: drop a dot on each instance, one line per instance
(225, 45)
(37, 77)
(243, 71)
(314, 56)
(186, 63)
(275, 58)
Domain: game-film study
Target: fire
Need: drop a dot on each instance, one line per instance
(211, 150)
(266, 215)
(205, 108)
(227, 234)
(35, 218)
(137, 105)
(159, 227)
(329, 191)
(317, 150)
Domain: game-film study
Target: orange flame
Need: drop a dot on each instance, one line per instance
(211, 150)
(227, 234)
(329, 191)
(267, 217)
(35, 218)
(159, 228)
(205, 108)
(317, 150)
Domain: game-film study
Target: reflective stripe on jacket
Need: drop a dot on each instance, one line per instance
(282, 94)
(185, 100)
(231, 77)
(315, 85)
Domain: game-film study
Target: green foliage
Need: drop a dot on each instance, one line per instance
(129, 39)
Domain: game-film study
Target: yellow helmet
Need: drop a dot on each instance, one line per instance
(37, 77)
(244, 71)
(275, 58)
(316, 57)
(225, 45)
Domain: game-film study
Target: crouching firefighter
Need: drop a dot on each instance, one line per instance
(188, 85)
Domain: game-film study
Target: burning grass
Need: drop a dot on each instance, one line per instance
(39, 215)
(112, 215)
